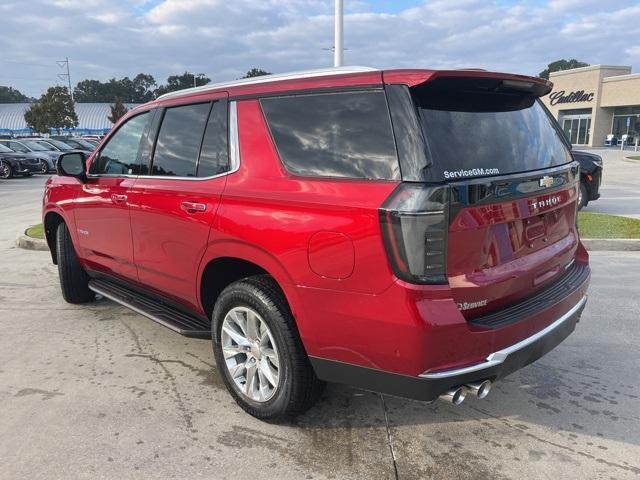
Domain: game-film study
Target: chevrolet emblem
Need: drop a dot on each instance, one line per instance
(546, 181)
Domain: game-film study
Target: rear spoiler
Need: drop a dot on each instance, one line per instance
(534, 86)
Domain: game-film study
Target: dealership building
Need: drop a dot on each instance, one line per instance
(596, 102)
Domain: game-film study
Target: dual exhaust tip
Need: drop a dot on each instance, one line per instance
(457, 395)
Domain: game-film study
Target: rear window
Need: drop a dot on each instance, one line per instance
(475, 132)
(345, 134)
(178, 143)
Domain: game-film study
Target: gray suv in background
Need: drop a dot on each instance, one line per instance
(35, 153)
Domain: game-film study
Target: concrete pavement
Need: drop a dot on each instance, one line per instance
(97, 391)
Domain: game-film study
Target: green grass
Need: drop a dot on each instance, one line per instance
(634, 157)
(36, 231)
(600, 225)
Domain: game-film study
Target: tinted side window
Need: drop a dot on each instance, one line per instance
(214, 156)
(179, 139)
(119, 155)
(334, 134)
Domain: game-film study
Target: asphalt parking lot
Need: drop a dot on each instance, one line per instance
(620, 188)
(100, 392)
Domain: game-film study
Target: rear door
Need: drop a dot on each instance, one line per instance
(173, 206)
(513, 188)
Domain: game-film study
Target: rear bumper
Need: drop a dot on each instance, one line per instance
(430, 385)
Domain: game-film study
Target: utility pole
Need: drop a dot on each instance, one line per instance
(67, 76)
(338, 48)
(196, 75)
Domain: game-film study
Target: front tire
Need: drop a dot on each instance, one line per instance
(74, 281)
(5, 170)
(259, 353)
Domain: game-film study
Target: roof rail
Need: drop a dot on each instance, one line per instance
(269, 78)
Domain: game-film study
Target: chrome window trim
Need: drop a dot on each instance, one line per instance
(496, 358)
(234, 155)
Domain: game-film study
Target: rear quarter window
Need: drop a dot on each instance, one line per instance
(346, 134)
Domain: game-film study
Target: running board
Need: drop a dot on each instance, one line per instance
(165, 315)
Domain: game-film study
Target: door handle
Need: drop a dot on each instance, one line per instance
(193, 207)
(119, 198)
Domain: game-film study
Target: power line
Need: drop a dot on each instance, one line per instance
(62, 76)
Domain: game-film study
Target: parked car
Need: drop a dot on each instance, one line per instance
(80, 144)
(39, 158)
(34, 160)
(590, 177)
(12, 164)
(92, 141)
(411, 232)
(61, 146)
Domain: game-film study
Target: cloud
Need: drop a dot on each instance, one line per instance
(224, 39)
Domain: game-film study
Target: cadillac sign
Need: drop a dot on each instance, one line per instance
(571, 97)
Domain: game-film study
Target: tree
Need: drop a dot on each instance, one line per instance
(117, 111)
(562, 64)
(256, 72)
(36, 118)
(11, 95)
(54, 109)
(138, 90)
(180, 82)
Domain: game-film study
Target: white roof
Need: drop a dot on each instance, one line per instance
(324, 72)
(90, 115)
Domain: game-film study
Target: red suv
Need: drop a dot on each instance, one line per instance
(411, 232)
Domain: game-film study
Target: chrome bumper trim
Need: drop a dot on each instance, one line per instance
(500, 356)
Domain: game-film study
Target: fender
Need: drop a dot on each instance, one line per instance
(235, 248)
(59, 198)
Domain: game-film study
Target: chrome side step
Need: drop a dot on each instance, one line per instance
(165, 315)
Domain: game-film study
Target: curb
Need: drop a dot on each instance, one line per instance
(612, 244)
(30, 243)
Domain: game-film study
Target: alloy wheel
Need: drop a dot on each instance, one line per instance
(45, 167)
(250, 353)
(5, 170)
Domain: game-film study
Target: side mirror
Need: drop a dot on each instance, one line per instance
(72, 165)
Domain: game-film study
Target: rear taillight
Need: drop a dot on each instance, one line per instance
(415, 222)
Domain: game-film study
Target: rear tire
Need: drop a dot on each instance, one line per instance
(297, 387)
(582, 196)
(74, 281)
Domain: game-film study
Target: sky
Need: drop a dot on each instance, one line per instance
(225, 38)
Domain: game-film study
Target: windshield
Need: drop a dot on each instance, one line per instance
(475, 134)
(46, 145)
(85, 144)
(72, 143)
(33, 145)
(59, 144)
(17, 147)
(4, 149)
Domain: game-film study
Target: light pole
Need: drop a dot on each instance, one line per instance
(337, 44)
(196, 75)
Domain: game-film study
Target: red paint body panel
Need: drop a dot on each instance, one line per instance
(321, 241)
(169, 240)
(103, 226)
